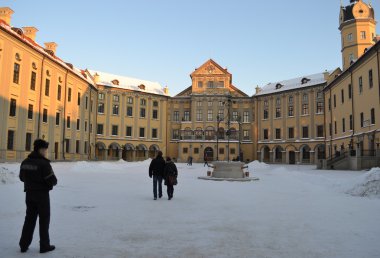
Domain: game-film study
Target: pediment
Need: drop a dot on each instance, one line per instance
(210, 68)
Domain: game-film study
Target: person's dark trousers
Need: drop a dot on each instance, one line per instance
(157, 180)
(37, 205)
(170, 190)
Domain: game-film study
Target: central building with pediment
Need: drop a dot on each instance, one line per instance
(211, 119)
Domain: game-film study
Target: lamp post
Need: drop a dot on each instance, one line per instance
(228, 126)
(218, 120)
(239, 138)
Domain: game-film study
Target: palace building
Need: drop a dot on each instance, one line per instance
(330, 118)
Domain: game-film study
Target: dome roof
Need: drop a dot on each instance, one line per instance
(347, 11)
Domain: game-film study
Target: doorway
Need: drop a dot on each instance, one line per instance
(292, 157)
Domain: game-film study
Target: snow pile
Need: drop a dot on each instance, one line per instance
(257, 165)
(368, 185)
(7, 176)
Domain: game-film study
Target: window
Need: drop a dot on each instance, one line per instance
(220, 84)
(209, 104)
(266, 103)
(115, 110)
(305, 98)
(342, 95)
(245, 117)
(44, 116)
(155, 114)
(69, 95)
(78, 101)
(330, 129)
(319, 107)
(155, 103)
(245, 135)
(99, 129)
(370, 78)
(209, 115)
(47, 87)
(154, 133)
(266, 114)
(234, 116)
(210, 84)
(278, 133)
(334, 101)
(187, 116)
(343, 125)
(335, 127)
(78, 124)
(10, 143)
(200, 84)
(57, 118)
(362, 35)
(142, 112)
(305, 132)
(351, 58)
(349, 91)
(33, 81)
(129, 111)
(290, 99)
(290, 111)
(185, 150)
(278, 101)
(143, 102)
(291, 133)
(67, 143)
(130, 100)
(28, 142)
(221, 103)
(59, 92)
(30, 111)
(12, 108)
(128, 132)
(86, 102)
(361, 119)
(68, 122)
(265, 134)
(305, 109)
(349, 37)
(320, 131)
(360, 85)
(115, 130)
(329, 104)
(116, 98)
(101, 108)
(373, 116)
(175, 134)
(278, 112)
(351, 122)
(101, 96)
(221, 151)
(199, 103)
(176, 116)
(196, 150)
(319, 94)
(233, 151)
(221, 113)
(77, 145)
(142, 132)
(199, 115)
(16, 73)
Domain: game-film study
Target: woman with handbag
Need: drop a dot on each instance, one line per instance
(171, 174)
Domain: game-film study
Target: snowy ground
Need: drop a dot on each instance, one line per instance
(104, 209)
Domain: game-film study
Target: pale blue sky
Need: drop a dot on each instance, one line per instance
(164, 40)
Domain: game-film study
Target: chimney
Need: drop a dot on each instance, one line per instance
(96, 78)
(258, 89)
(52, 46)
(30, 32)
(166, 90)
(6, 14)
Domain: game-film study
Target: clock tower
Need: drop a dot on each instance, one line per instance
(358, 30)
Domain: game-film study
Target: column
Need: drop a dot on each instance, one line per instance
(133, 155)
(105, 154)
(120, 153)
(312, 157)
(283, 157)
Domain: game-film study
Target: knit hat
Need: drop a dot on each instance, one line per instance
(40, 144)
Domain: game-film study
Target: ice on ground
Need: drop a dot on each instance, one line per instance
(368, 184)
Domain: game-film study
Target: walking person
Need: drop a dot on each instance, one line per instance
(205, 158)
(190, 160)
(171, 174)
(38, 177)
(156, 170)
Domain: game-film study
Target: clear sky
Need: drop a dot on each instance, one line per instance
(164, 40)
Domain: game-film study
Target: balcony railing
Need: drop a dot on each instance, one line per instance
(205, 138)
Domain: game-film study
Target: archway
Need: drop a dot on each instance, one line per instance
(210, 133)
(100, 151)
(153, 149)
(265, 154)
(113, 151)
(278, 154)
(128, 152)
(141, 151)
(209, 154)
(305, 154)
(291, 154)
(319, 151)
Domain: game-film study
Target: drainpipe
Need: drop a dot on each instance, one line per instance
(352, 108)
(40, 102)
(64, 117)
(331, 123)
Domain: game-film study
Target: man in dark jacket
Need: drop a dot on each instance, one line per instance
(156, 169)
(38, 177)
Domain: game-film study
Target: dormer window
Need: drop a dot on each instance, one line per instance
(305, 80)
(142, 87)
(278, 86)
(115, 82)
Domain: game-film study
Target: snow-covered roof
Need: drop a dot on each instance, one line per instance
(292, 84)
(123, 82)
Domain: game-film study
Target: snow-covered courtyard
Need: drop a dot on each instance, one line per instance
(106, 209)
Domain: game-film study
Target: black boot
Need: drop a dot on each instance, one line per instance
(47, 249)
(24, 249)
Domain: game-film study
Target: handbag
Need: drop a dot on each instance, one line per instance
(173, 180)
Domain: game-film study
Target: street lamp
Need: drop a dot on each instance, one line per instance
(218, 120)
(228, 126)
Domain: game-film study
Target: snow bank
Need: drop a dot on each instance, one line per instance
(257, 165)
(367, 185)
(7, 176)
